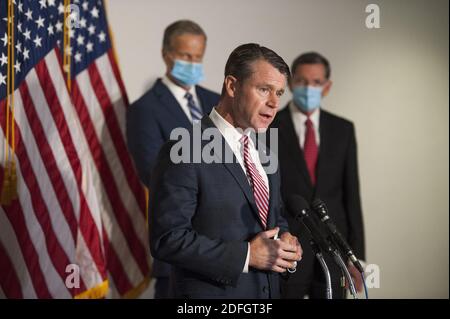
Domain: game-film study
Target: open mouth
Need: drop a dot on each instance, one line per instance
(266, 116)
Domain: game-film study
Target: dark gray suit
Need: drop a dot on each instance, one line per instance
(203, 216)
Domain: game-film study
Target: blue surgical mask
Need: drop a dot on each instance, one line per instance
(307, 98)
(187, 73)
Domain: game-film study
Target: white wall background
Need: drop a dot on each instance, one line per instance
(391, 82)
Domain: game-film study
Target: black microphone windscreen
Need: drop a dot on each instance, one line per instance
(296, 203)
(317, 203)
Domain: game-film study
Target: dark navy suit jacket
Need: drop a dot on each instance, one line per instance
(337, 185)
(203, 216)
(150, 120)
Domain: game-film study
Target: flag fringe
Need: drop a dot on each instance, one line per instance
(139, 289)
(96, 292)
(9, 187)
(5, 198)
(101, 290)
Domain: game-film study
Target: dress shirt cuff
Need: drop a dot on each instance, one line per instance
(247, 260)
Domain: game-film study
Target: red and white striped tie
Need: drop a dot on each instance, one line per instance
(260, 191)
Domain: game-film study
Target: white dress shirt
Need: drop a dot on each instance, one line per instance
(232, 137)
(178, 92)
(299, 120)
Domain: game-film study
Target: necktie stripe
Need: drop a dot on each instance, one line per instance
(195, 109)
(262, 206)
(260, 191)
(257, 178)
(196, 115)
(196, 112)
(261, 188)
(262, 198)
(259, 181)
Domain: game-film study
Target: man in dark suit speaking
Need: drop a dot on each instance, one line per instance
(216, 221)
(176, 100)
(317, 154)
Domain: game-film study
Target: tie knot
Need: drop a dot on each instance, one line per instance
(244, 139)
(308, 122)
(188, 96)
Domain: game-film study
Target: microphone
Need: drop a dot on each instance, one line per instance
(298, 208)
(321, 210)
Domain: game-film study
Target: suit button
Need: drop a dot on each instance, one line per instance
(265, 289)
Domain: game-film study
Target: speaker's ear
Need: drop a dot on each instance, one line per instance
(230, 83)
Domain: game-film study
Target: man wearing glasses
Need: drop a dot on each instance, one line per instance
(318, 159)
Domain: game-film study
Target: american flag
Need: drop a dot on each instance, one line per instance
(80, 205)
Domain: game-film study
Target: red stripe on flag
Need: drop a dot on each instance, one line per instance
(117, 137)
(87, 224)
(116, 71)
(55, 251)
(115, 268)
(15, 216)
(49, 161)
(123, 218)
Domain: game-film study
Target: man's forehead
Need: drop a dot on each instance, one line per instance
(187, 39)
(315, 69)
(266, 72)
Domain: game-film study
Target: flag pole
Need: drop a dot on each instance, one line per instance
(66, 44)
(9, 187)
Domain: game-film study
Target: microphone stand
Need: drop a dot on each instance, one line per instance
(324, 266)
(340, 262)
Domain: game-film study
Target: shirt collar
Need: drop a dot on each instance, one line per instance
(314, 117)
(230, 133)
(176, 90)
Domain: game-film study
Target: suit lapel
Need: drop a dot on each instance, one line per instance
(171, 104)
(270, 219)
(291, 138)
(325, 136)
(235, 170)
(206, 107)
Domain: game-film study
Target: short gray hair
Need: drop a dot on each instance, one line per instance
(178, 28)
